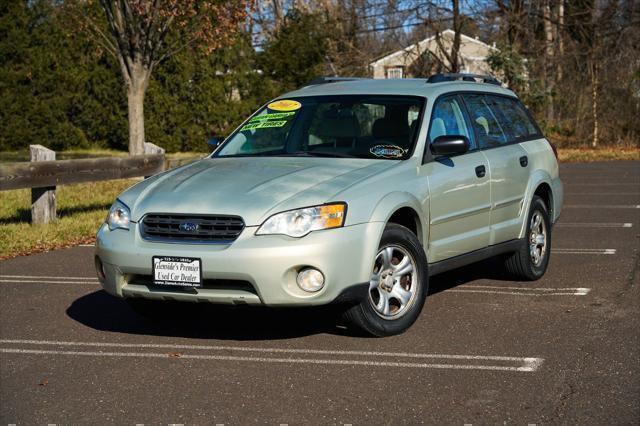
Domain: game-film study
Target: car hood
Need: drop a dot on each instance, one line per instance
(251, 187)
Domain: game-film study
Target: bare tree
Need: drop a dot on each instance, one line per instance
(142, 33)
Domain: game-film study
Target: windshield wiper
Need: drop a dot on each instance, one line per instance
(323, 154)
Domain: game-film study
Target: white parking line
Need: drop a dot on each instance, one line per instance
(583, 251)
(602, 193)
(529, 365)
(600, 184)
(47, 277)
(601, 206)
(520, 291)
(594, 225)
(49, 282)
(523, 364)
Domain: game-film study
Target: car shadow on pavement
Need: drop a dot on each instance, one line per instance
(103, 312)
(490, 269)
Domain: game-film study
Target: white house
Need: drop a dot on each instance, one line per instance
(426, 57)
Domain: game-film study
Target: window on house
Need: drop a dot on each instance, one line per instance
(394, 72)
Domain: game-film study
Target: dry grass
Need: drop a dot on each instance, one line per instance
(81, 210)
(577, 155)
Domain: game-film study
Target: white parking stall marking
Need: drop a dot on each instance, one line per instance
(32, 277)
(594, 225)
(474, 362)
(48, 282)
(520, 291)
(86, 245)
(602, 193)
(600, 184)
(601, 206)
(37, 279)
(583, 251)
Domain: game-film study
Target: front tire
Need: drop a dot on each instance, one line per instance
(530, 262)
(397, 288)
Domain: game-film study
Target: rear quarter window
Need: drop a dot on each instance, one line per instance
(514, 118)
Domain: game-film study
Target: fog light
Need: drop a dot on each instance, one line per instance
(310, 279)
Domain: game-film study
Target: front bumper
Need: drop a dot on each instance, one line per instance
(256, 270)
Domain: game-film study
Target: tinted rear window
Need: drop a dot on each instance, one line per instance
(514, 118)
(485, 121)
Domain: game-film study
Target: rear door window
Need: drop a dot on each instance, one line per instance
(485, 121)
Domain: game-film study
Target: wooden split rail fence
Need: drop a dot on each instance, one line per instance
(43, 173)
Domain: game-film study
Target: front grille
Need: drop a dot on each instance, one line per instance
(188, 228)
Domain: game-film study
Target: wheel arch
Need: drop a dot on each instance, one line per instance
(544, 191)
(403, 209)
(540, 185)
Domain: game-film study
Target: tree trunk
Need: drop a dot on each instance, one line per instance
(548, 58)
(135, 98)
(559, 35)
(594, 101)
(455, 47)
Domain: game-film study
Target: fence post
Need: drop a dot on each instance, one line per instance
(43, 200)
(150, 148)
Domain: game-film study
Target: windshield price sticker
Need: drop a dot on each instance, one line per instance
(285, 105)
(387, 151)
(272, 116)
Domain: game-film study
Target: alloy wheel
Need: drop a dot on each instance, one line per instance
(394, 282)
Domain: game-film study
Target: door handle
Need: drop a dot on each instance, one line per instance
(481, 171)
(524, 161)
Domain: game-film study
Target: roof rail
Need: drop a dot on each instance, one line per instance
(439, 78)
(325, 80)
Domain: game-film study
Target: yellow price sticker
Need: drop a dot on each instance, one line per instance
(284, 105)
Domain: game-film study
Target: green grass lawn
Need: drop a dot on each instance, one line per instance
(81, 210)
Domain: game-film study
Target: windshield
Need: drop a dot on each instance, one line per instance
(358, 126)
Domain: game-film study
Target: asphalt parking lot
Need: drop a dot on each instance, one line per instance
(564, 349)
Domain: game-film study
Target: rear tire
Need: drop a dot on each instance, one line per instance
(530, 262)
(398, 285)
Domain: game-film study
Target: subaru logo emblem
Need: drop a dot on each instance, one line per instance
(188, 227)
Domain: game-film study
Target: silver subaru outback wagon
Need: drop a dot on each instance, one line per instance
(346, 191)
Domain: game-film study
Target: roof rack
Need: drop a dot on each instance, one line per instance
(325, 80)
(439, 78)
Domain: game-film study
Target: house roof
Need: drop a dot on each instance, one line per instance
(421, 43)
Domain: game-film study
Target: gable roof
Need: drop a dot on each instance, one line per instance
(420, 44)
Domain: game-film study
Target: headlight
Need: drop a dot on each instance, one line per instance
(298, 223)
(119, 216)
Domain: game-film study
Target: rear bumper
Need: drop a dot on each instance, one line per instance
(254, 270)
(558, 198)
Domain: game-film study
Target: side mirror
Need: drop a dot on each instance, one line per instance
(450, 145)
(214, 142)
